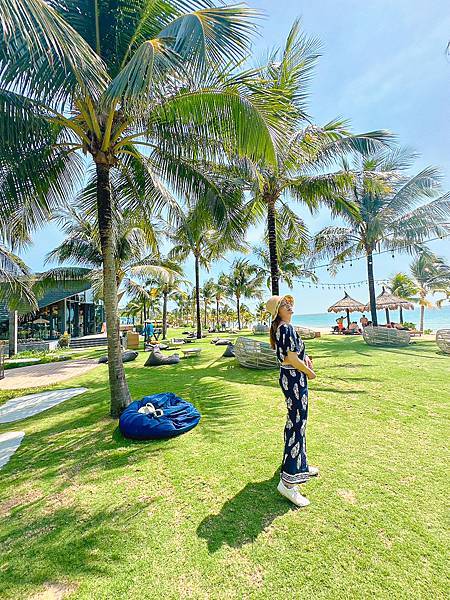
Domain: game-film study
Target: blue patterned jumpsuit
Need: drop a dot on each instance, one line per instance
(294, 384)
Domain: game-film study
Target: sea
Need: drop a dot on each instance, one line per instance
(435, 318)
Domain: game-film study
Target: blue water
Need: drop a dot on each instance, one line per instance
(435, 318)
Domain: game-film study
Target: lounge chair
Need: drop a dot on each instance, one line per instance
(383, 336)
(443, 340)
(260, 328)
(254, 354)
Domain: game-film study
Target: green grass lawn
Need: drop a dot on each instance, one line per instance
(199, 516)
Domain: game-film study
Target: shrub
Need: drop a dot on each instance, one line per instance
(409, 325)
(64, 340)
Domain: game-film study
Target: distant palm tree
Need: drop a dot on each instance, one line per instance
(136, 255)
(431, 275)
(198, 236)
(403, 286)
(294, 261)
(208, 292)
(303, 164)
(386, 210)
(220, 295)
(168, 287)
(108, 81)
(244, 281)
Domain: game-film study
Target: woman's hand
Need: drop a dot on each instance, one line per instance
(308, 362)
(311, 374)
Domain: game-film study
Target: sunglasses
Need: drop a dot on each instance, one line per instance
(286, 304)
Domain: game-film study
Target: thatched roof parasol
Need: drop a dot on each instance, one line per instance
(389, 302)
(348, 305)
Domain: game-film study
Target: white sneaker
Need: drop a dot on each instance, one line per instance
(313, 471)
(292, 494)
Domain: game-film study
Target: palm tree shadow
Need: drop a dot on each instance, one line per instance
(242, 518)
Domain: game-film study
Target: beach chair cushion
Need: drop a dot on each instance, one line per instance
(443, 340)
(178, 417)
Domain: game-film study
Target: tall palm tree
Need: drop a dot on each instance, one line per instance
(168, 287)
(124, 88)
(219, 295)
(302, 171)
(403, 286)
(430, 274)
(244, 281)
(197, 236)
(136, 254)
(294, 261)
(208, 292)
(387, 210)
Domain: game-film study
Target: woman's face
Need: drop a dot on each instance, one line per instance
(286, 310)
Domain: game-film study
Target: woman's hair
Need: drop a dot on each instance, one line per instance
(273, 330)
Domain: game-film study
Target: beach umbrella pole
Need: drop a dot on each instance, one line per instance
(388, 320)
(348, 318)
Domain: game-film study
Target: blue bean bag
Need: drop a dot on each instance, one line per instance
(178, 417)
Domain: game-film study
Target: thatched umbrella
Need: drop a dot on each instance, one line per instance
(389, 302)
(348, 305)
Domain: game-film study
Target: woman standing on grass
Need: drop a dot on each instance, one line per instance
(295, 370)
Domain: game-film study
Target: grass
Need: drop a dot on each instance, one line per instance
(199, 516)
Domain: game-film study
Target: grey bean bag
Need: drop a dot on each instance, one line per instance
(223, 342)
(128, 356)
(229, 351)
(157, 359)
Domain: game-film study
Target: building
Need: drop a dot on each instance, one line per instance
(70, 307)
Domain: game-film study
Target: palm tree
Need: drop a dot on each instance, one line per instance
(136, 251)
(168, 287)
(196, 236)
(110, 81)
(430, 275)
(244, 281)
(294, 261)
(387, 210)
(403, 286)
(220, 295)
(302, 171)
(208, 292)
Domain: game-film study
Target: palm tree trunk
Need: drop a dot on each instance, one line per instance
(401, 315)
(388, 318)
(145, 309)
(274, 272)
(371, 281)
(206, 315)
(120, 395)
(238, 308)
(164, 316)
(422, 314)
(197, 297)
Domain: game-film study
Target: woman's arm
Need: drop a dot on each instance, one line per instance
(300, 365)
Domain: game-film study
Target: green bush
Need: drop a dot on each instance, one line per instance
(409, 325)
(64, 340)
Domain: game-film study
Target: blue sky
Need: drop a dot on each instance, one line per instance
(383, 66)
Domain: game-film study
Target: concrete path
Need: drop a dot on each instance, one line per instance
(9, 442)
(47, 374)
(23, 407)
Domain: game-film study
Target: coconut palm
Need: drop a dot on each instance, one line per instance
(124, 88)
(168, 287)
(220, 289)
(302, 171)
(387, 210)
(403, 286)
(430, 275)
(294, 261)
(244, 281)
(208, 293)
(197, 237)
(16, 282)
(136, 254)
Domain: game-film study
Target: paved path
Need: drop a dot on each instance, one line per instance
(47, 374)
(9, 442)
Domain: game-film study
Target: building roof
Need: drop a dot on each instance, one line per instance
(57, 293)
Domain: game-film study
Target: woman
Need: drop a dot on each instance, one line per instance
(295, 370)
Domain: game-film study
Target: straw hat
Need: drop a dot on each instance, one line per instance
(273, 304)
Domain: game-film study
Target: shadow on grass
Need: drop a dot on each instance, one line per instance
(243, 518)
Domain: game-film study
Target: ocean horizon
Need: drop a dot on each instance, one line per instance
(435, 318)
